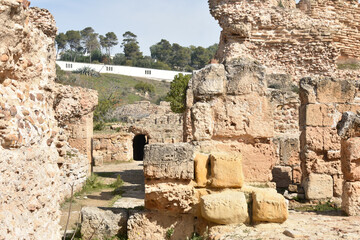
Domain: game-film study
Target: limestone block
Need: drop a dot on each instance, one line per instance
(313, 115)
(318, 186)
(225, 208)
(332, 140)
(155, 225)
(307, 91)
(245, 76)
(289, 151)
(201, 169)
(269, 207)
(329, 91)
(172, 161)
(350, 159)
(176, 197)
(351, 198)
(249, 114)
(338, 185)
(313, 138)
(282, 176)
(203, 123)
(209, 81)
(105, 222)
(226, 170)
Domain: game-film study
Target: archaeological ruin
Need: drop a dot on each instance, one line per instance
(273, 119)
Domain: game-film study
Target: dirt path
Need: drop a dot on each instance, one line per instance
(132, 196)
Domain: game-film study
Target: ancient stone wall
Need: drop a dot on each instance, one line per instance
(33, 177)
(228, 110)
(157, 122)
(299, 42)
(112, 147)
(323, 101)
(348, 129)
(187, 191)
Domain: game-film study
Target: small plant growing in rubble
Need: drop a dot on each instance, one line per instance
(169, 233)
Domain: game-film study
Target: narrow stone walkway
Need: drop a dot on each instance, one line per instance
(133, 191)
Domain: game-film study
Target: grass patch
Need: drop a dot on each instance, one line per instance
(321, 207)
(349, 64)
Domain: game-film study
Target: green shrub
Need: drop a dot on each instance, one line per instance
(177, 94)
(145, 87)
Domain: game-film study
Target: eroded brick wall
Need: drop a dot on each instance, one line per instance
(303, 41)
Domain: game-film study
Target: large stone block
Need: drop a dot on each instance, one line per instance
(249, 114)
(175, 197)
(330, 91)
(201, 169)
(318, 186)
(226, 170)
(225, 208)
(350, 159)
(351, 198)
(103, 223)
(269, 207)
(155, 225)
(171, 161)
(203, 123)
(245, 76)
(209, 81)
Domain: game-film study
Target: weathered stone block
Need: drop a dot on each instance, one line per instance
(338, 185)
(175, 197)
(351, 198)
(209, 81)
(203, 123)
(244, 77)
(225, 208)
(318, 186)
(350, 159)
(201, 169)
(269, 207)
(226, 170)
(289, 151)
(282, 176)
(249, 114)
(332, 140)
(103, 223)
(172, 161)
(155, 225)
(329, 91)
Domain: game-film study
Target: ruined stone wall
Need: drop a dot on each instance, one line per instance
(289, 40)
(32, 180)
(157, 122)
(323, 101)
(228, 110)
(112, 147)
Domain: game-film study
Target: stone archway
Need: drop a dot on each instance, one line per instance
(139, 143)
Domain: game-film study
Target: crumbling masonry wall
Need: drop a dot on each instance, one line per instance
(297, 39)
(33, 177)
(323, 101)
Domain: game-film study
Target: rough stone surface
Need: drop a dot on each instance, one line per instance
(172, 161)
(318, 186)
(37, 161)
(269, 207)
(154, 225)
(202, 170)
(282, 176)
(297, 39)
(351, 198)
(209, 81)
(103, 223)
(174, 197)
(226, 170)
(350, 159)
(225, 208)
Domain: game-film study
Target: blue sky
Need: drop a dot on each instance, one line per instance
(187, 22)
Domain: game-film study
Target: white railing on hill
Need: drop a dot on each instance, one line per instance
(149, 73)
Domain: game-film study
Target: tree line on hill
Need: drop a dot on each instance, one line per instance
(88, 46)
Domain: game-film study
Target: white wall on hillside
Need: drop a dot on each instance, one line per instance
(149, 73)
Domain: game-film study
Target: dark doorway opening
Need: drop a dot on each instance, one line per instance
(139, 143)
